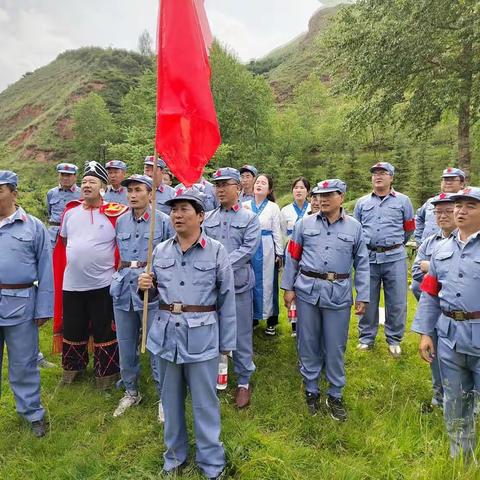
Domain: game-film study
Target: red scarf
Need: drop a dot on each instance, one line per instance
(112, 211)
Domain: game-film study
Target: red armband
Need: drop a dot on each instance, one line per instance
(409, 225)
(431, 285)
(295, 250)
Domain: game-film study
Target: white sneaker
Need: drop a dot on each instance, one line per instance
(161, 415)
(126, 402)
(395, 351)
(364, 346)
(44, 363)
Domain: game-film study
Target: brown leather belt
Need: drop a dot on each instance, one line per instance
(133, 264)
(331, 276)
(54, 224)
(181, 308)
(460, 316)
(384, 249)
(15, 286)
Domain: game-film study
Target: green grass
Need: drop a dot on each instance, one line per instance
(385, 437)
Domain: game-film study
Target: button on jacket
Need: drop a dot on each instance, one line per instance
(317, 246)
(200, 276)
(132, 240)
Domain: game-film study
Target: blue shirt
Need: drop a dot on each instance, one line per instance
(246, 197)
(424, 253)
(386, 221)
(116, 196)
(57, 198)
(200, 276)
(132, 240)
(455, 270)
(26, 257)
(318, 246)
(425, 222)
(239, 231)
(164, 193)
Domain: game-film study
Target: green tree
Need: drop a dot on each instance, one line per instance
(411, 62)
(93, 127)
(244, 104)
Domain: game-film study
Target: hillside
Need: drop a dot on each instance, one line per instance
(35, 112)
(288, 65)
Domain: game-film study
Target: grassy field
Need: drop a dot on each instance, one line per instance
(385, 437)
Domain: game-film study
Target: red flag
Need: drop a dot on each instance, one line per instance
(187, 134)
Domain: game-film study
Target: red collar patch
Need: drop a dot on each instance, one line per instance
(203, 242)
(236, 207)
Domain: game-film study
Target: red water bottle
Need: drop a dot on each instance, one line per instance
(222, 377)
(292, 318)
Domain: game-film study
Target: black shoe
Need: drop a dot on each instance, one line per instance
(312, 402)
(39, 428)
(337, 408)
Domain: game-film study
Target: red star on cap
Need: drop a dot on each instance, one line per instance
(218, 173)
(325, 184)
(466, 190)
(442, 196)
(179, 191)
(449, 169)
(379, 164)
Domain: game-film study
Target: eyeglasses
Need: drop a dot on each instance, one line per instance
(445, 213)
(223, 185)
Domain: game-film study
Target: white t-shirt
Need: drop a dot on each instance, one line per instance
(90, 249)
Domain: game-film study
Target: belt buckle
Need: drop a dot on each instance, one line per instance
(331, 276)
(458, 315)
(176, 308)
(134, 264)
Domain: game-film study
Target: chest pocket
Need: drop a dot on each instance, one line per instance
(395, 213)
(123, 241)
(442, 264)
(204, 274)
(212, 228)
(344, 242)
(164, 271)
(476, 267)
(311, 238)
(367, 212)
(23, 247)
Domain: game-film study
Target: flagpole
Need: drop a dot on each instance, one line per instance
(148, 268)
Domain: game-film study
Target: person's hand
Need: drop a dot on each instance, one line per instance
(288, 298)
(41, 321)
(360, 308)
(426, 348)
(279, 261)
(145, 281)
(424, 266)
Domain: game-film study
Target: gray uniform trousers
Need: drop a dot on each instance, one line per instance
(23, 372)
(243, 364)
(128, 325)
(393, 275)
(322, 336)
(461, 381)
(201, 380)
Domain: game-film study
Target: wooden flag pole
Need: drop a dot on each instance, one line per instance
(148, 268)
